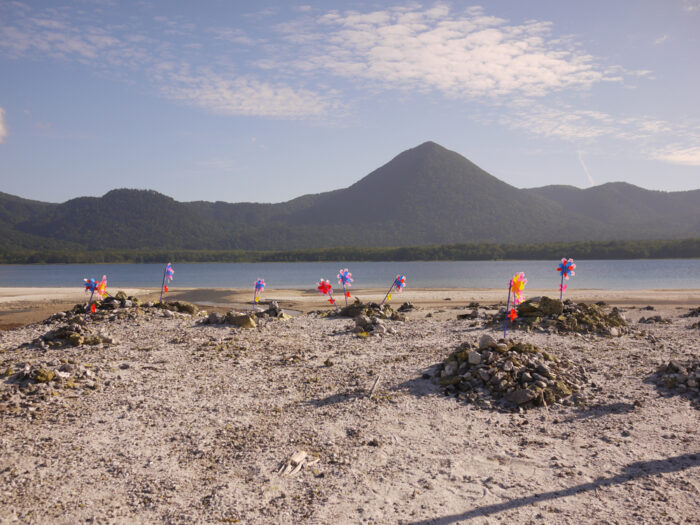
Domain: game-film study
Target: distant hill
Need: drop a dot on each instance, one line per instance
(425, 195)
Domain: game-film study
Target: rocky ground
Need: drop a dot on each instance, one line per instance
(154, 415)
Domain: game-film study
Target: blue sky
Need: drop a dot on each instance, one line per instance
(266, 101)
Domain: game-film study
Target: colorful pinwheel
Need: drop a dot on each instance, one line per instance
(566, 268)
(167, 274)
(398, 284)
(324, 288)
(259, 287)
(92, 286)
(515, 288)
(345, 279)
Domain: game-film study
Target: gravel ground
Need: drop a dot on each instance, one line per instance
(178, 422)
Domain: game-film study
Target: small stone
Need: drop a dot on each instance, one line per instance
(487, 341)
(484, 375)
(614, 332)
(474, 358)
(521, 396)
(167, 313)
(450, 369)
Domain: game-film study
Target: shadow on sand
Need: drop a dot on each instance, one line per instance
(639, 469)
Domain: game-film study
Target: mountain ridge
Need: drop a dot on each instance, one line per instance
(424, 195)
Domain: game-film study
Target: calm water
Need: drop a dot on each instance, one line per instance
(617, 275)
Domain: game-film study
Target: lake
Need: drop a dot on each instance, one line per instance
(607, 274)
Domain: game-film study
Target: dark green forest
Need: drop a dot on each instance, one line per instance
(659, 249)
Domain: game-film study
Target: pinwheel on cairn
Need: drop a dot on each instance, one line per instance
(566, 268)
(398, 285)
(515, 288)
(345, 279)
(94, 287)
(259, 287)
(324, 288)
(167, 274)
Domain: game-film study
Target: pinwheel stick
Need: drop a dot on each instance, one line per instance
(345, 293)
(87, 308)
(505, 322)
(561, 287)
(390, 289)
(162, 285)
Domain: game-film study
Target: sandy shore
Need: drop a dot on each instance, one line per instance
(21, 306)
(178, 422)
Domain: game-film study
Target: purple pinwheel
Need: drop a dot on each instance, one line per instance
(345, 279)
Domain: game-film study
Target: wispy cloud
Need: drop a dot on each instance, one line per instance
(4, 132)
(660, 39)
(246, 96)
(684, 156)
(585, 168)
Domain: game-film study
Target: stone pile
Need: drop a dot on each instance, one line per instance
(372, 310)
(656, 319)
(25, 375)
(683, 377)
(246, 320)
(544, 313)
(366, 326)
(71, 334)
(509, 373)
(695, 312)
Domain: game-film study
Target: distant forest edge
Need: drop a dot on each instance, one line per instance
(659, 249)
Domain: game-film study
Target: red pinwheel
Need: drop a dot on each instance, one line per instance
(324, 288)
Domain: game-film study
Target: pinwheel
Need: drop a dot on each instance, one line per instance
(345, 279)
(259, 287)
(324, 288)
(398, 284)
(566, 268)
(167, 274)
(515, 287)
(92, 286)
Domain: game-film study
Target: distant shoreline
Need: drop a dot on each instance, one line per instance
(591, 250)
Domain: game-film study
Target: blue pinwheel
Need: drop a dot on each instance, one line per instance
(259, 287)
(345, 279)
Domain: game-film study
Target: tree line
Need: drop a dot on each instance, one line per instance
(658, 249)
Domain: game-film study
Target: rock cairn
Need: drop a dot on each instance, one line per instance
(246, 319)
(544, 313)
(512, 373)
(681, 376)
(372, 318)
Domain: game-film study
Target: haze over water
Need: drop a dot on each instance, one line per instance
(606, 274)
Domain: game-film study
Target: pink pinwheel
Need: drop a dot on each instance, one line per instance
(515, 287)
(167, 274)
(565, 268)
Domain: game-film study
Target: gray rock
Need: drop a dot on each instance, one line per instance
(526, 377)
(484, 375)
(450, 369)
(487, 341)
(521, 396)
(127, 304)
(614, 332)
(167, 313)
(474, 358)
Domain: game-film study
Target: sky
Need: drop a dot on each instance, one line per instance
(265, 101)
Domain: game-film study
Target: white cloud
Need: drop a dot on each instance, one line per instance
(585, 168)
(685, 156)
(3, 126)
(433, 49)
(691, 6)
(660, 40)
